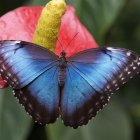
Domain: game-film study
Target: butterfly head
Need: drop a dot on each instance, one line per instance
(62, 60)
(63, 54)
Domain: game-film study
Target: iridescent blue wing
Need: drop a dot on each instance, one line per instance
(92, 76)
(32, 73)
(41, 97)
(21, 62)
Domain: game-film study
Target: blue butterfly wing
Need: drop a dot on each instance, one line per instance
(92, 76)
(32, 72)
(41, 97)
(21, 62)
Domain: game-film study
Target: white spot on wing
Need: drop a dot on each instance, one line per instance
(131, 64)
(120, 75)
(114, 81)
(129, 72)
(128, 53)
(134, 68)
(116, 85)
(122, 78)
(1, 70)
(110, 48)
(126, 69)
(17, 41)
(14, 42)
(108, 87)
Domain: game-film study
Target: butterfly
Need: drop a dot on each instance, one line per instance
(74, 88)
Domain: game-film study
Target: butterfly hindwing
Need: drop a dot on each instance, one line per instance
(78, 100)
(92, 76)
(41, 97)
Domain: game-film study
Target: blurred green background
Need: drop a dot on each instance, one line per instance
(114, 23)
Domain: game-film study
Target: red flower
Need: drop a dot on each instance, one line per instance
(70, 26)
(20, 24)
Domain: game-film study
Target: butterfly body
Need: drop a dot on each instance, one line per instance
(62, 69)
(75, 88)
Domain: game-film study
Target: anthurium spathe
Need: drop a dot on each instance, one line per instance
(20, 24)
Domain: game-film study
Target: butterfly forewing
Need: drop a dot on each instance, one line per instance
(92, 76)
(21, 62)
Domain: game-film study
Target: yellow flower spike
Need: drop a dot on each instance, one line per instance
(47, 29)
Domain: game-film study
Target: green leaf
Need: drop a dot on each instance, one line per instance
(98, 15)
(7, 5)
(37, 2)
(14, 123)
(110, 124)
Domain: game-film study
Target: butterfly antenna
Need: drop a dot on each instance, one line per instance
(72, 39)
(58, 41)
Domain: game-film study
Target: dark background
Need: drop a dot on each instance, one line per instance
(114, 23)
